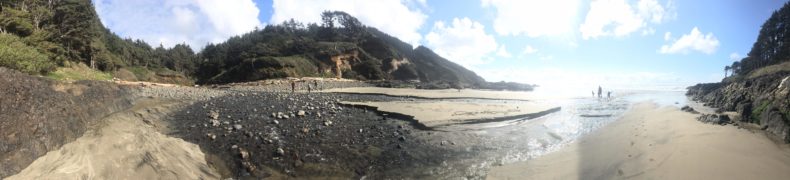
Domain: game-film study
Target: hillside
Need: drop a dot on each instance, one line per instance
(41, 37)
(759, 87)
(293, 49)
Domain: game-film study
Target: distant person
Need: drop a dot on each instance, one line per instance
(315, 84)
(608, 94)
(599, 91)
(593, 93)
(309, 88)
(293, 86)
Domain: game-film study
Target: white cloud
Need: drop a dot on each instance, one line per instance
(735, 56)
(667, 36)
(534, 18)
(502, 52)
(648, 31)
(529, 50)
(695, 40)
(194, 22)
(546, 57)
(464, 42)
(619, 18)
(393, 17)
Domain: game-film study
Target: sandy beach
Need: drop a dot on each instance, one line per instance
(652, 142)
(437, 113)
(441, 93)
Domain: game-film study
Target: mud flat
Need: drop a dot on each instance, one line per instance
(439, 113)
(651, 142)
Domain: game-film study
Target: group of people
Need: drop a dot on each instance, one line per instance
(309, 87)
(600, 93)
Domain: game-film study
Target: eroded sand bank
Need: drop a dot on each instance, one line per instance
(436, 113)
(652, 142)
(128, 146)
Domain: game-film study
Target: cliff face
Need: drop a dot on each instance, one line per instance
(761, 100)
(39, 115)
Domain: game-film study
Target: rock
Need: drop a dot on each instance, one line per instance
(689, 109)
(215, 123)
(234, 146)
(443, 143)
(305, 130)
(402, 138)
(245, 155)
(211, 136)
(285, 117)
(275, 121)
(279, 152)
(213, 114)
(714, 119)
(327, 123)
(237, 126)
(300, 113)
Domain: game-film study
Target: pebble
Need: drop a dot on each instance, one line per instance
(280, 151)
(237, 126)
(276, 122)
(300, 113)
(327, 123)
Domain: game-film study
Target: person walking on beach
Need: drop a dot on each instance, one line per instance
(315, 84)
(293, 86)
(593, 93)
(599, 92)
(608, 94)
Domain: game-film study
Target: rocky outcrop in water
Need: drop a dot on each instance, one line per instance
(761, 100)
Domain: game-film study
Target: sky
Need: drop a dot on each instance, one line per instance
(571, 43)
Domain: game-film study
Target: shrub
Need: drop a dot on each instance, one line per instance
(15, 54)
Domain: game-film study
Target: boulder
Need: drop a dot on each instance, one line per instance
(714, 119)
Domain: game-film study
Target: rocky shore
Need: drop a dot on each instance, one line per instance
(763, 100)
(246, 130)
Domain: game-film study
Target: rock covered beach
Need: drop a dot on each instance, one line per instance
(254, 130)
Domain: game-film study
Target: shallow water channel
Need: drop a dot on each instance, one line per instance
(470, 150)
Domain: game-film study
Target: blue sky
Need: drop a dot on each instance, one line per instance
(620, 43)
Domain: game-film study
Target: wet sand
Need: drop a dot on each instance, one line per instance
(651, 142)
(441, 93)
(438, 113)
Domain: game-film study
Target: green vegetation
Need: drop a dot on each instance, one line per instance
(757, 112)
(78, 72)
(17, 55)
(782, 67)
(771, 45)
(40, 35)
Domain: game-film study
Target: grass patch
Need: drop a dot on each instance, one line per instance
(77, 72)
(142, 73)
(785, 66)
